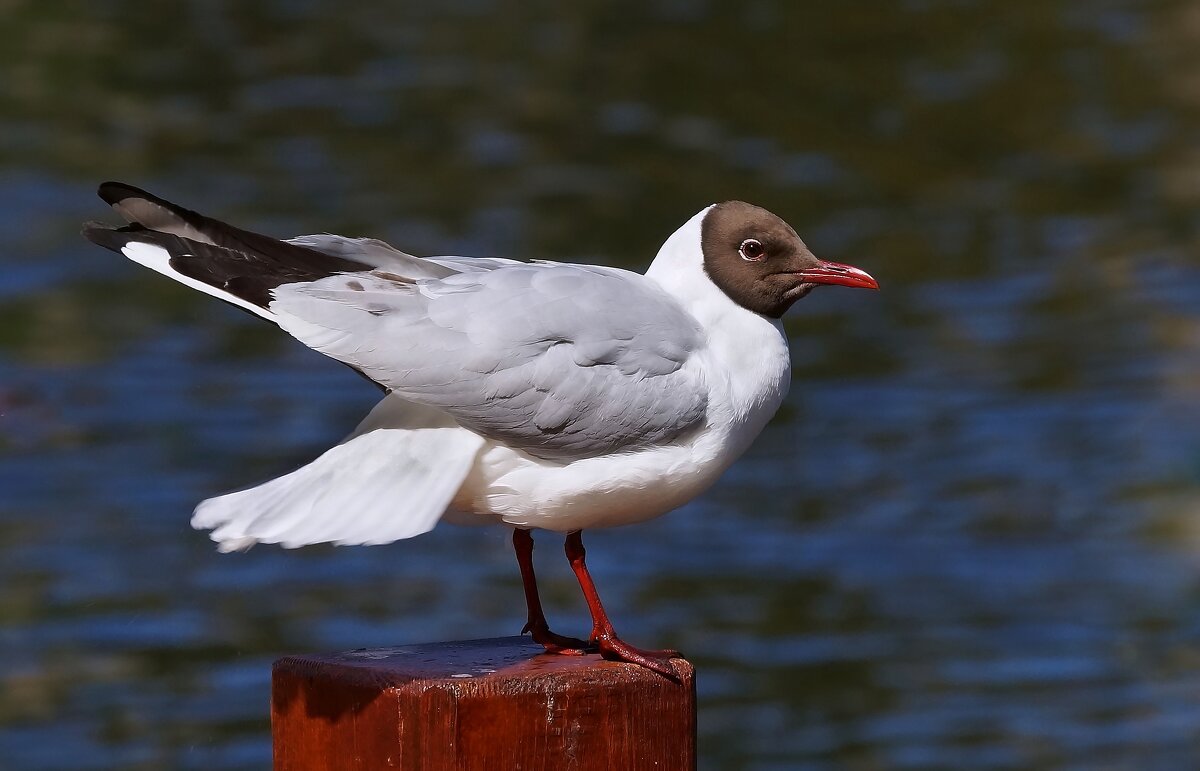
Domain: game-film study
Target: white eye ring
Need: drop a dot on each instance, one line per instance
(752, 250)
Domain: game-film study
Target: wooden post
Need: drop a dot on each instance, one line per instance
(485, 705)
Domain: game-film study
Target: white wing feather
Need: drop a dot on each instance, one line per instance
(375, 488)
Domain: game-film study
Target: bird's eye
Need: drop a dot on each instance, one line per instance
(752, 250)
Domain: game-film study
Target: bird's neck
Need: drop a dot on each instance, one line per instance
(749, 348)
(679, 269)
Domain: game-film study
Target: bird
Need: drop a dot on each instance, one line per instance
(534, 394)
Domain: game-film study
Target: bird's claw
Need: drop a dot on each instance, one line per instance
(556, 643)
(613, 648)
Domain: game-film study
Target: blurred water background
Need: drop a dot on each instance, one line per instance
(971, 539)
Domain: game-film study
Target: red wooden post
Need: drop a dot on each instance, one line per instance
(479, 705)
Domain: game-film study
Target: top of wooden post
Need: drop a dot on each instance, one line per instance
(479, 704)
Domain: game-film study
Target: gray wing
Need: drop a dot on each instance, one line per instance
(384, 256)
(560, 361)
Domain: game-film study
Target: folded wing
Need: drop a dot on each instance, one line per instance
(560, 361)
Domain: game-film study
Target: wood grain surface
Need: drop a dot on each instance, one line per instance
(486, 705)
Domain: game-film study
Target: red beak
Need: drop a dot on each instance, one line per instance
(837, 273)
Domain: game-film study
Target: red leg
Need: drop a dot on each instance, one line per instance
(603, 635)
(536, 625)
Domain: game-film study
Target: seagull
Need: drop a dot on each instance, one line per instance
(538, 395)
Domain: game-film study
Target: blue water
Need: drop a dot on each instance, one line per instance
(971, 538)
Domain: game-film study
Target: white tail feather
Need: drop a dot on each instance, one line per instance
(158, 259)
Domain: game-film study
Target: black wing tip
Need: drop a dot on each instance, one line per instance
(112, 193)
(103, 235)
(109, 237)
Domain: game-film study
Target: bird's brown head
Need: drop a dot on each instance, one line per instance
(761, 264)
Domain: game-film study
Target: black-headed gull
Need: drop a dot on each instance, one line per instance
(542, 395)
